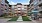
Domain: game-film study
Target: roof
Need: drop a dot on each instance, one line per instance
(19, 4)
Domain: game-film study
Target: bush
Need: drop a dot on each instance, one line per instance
(25, 18)
(3, 15)
(13, 19)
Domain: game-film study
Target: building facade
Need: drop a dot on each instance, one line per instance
(3, 7)
(36, 4)
(20, 9)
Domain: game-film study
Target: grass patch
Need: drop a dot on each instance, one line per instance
(25, 18)
(14, 19)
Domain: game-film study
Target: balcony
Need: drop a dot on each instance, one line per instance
(40, 5)
(39, 2)
(15, 6)
(19, 8)
(15, 9)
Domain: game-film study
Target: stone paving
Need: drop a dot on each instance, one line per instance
(3, 20)
(20, 18)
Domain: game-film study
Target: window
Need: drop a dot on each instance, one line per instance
(24, 5)
(15, 9)
(15, 5)
(2, 10)
(9, 11)
(2, 4)
(41, 7)
(5, 9)
(1, 7)
(5, 5)
(32, 5)
(9, 8)
(19, 7)
(15, 13)
(25, 8)
(25, 13)
(19, 10)
(19, 13)
(39, 0)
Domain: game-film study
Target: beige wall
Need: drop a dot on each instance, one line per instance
(23, 8)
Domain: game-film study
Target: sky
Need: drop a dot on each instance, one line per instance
(12, 2)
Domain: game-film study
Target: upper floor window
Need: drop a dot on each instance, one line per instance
(1, 7)
(2, 4)
(32, 5)
(9, 8)
(19, 7)
(41, 7)
(39, 0)
(5, 9)
(24, 5)
(2, 10)
(19, 10)
(15, 5)
(6, 5)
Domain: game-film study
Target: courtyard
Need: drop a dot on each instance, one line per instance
(5, 20)
(20, 11)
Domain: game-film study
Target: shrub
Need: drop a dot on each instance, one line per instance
(25, 18)
(3, 15)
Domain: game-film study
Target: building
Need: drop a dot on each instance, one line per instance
(3, 6)
(0, 8)
(36, 4)
(20, 9)
(10, 11)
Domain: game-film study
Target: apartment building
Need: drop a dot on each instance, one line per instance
(3, 6)
(36, 4)
(10, 11)
(20, 9)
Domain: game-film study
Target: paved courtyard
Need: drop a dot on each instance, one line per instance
(5, 20)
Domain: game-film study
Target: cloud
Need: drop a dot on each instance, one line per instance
(12, 3)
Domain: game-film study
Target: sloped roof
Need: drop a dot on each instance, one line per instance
(19, 4)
